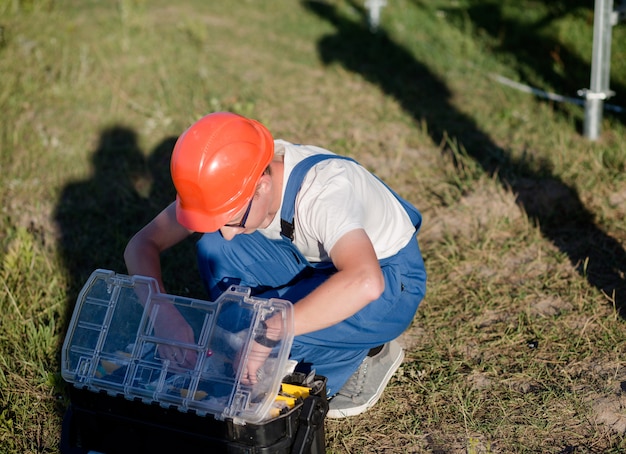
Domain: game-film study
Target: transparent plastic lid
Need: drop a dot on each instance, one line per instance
(111, 345)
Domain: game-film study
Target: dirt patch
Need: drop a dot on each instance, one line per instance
(488, 205)
(549, 306)
(611, 411)
(411, 338)
(522, 385)
(617, 201)
(492, 317)
(479, 380)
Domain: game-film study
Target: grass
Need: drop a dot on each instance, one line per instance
(519, 344)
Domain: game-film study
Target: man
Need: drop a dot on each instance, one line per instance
(299, 223)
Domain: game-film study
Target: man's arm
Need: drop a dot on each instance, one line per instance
(142, 256)
(357, 282)
(143, 251)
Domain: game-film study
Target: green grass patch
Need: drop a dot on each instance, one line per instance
(519, 344)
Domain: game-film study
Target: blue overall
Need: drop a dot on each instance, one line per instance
(276, 268)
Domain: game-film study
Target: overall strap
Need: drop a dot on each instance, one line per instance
(294, 182)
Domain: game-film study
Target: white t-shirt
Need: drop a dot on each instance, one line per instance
(336, 197)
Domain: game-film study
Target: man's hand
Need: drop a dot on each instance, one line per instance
(171, 325)
(256, 358)
(263, 343)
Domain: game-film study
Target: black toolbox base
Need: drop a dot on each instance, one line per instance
(113, 424)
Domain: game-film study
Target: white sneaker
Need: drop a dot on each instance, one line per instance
(366, 385)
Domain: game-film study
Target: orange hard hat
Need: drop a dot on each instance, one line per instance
(216, 165)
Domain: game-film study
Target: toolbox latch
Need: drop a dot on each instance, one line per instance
(310, 420)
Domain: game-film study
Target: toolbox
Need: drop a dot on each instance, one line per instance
(125, 397)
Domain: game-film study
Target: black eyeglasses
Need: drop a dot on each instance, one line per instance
(242, 224)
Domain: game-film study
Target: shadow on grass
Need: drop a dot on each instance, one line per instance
(548, 201)
(97, 216)
(534, 55)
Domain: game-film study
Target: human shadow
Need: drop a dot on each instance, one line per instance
(547, 200)
(536, 56)
(97, 216)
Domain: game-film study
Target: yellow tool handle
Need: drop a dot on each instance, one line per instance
(295, 390)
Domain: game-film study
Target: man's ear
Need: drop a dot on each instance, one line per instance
(264, 185)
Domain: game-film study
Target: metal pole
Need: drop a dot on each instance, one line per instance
(600, 68)
(374, 7)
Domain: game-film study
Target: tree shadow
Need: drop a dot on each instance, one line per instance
(536, 57)
(548, 201)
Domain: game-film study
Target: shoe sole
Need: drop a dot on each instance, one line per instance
(345, 413)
